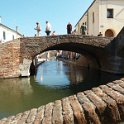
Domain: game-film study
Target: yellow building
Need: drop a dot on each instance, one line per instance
(105, 16)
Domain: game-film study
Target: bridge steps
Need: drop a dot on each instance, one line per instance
(100, 105)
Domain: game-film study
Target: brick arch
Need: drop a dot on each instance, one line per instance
(92, 62)
(35, 45)
(85, 50)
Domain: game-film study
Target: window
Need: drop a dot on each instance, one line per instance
(93, 17)
(110, 13)
(12, 37)
(4, 35)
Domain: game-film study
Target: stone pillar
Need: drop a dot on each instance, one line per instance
(25, 68)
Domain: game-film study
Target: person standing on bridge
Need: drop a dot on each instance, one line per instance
(53, 33)
(100, 34)
(69, 28)
(83, 29)
(38, 29)
(48, 28)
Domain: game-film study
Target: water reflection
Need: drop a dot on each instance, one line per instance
(54, 80)
(12, 92)
(60, 74)
(53, 74)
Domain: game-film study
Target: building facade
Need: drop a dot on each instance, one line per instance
(8, 34)
(105, 16)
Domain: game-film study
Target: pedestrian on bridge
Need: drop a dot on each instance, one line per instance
(100, 34)
(83, 29)
(48, 28)
(69, 28)
(53, 33)
(38, 29)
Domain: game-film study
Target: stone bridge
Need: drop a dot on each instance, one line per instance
(107, 53)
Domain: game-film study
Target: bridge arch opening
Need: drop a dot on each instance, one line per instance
(83, 59)
(109, 33)
(39, 59)
(32, 69)
(91, 54)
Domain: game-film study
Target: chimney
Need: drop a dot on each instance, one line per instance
(16, 28)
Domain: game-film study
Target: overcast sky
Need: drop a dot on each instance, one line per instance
(25, 14)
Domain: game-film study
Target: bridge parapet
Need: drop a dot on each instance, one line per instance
(52, 40)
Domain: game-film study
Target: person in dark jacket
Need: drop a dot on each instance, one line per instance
(83, 29)
(69, 28)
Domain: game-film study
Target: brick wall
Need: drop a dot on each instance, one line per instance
(9, 59)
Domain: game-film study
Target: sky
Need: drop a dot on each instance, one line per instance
(25, 14)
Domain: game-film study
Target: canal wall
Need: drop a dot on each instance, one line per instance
(100, 105)
(10, 59)
(86, 61)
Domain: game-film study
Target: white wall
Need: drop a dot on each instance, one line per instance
(83, 20)
(115, 23)
(101, 22)
(9, 34)
(93, 27)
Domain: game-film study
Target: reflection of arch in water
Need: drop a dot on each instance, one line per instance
(109, 33)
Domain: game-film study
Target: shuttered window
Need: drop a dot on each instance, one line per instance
(110, 13)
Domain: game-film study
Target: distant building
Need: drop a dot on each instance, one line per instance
(8, 34)
(105, 16)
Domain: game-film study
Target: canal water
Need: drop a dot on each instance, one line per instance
(54, 80)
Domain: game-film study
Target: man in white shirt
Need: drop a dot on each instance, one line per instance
(48, 28)
(38, 28)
